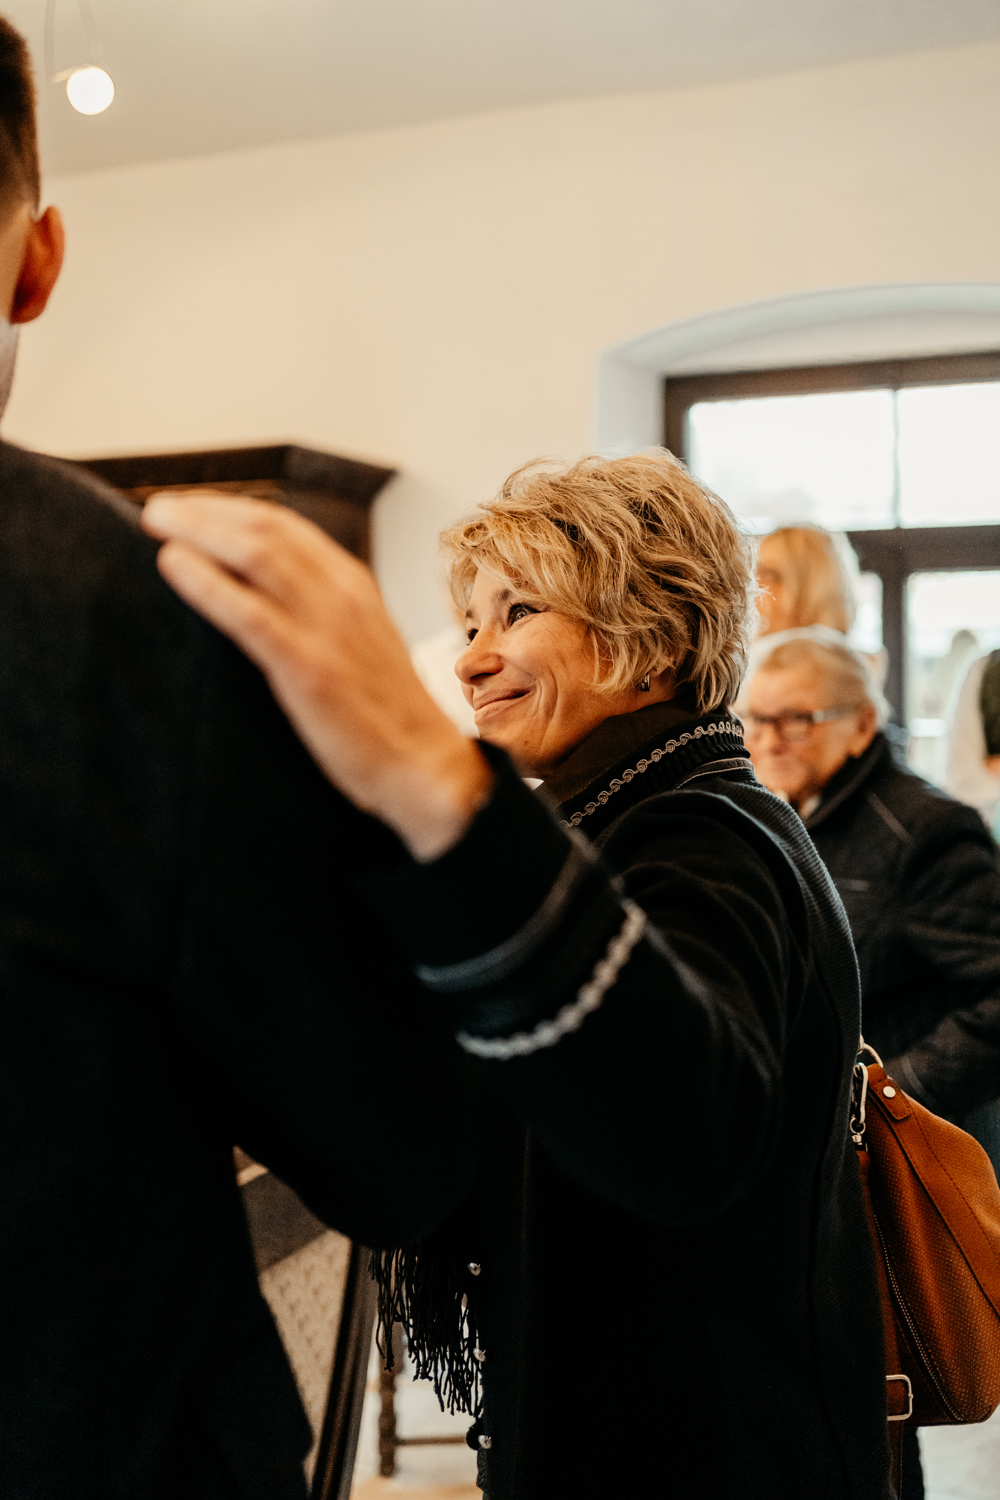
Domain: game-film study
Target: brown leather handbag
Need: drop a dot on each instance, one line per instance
(934, 1212)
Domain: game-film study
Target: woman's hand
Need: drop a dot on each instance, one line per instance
(312, 618)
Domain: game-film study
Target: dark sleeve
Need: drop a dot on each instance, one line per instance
(612, 1013)
(298, 1003)
(195, 859)
(951, 922)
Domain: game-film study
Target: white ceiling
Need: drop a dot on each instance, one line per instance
(213, 75)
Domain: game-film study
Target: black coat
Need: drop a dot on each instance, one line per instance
(676, 1291)
(182, 968)
(919, 878)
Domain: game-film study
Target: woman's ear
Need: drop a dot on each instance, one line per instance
(43, 258)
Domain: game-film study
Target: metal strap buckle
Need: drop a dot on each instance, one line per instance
(859, 1098)
(909, 1398)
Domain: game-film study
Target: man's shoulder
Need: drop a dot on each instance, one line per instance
(76, 567)
(915, 809)
(46, 484)
(881, 798)
(67, 538)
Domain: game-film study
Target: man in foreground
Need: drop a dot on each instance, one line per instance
(173, 978)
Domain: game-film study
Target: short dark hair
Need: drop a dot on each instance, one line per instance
(19, 173)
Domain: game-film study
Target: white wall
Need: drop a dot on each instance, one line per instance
(438, 297)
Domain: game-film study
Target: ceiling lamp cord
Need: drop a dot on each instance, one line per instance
(89, 89)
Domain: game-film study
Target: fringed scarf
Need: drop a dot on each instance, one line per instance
(426, 1288)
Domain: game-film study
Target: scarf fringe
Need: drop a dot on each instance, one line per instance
(426, 1291)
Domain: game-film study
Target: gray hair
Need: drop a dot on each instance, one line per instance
(856, 675)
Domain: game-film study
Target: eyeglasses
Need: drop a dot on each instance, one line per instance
(796, 726)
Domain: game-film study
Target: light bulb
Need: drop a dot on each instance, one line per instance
(89, 90)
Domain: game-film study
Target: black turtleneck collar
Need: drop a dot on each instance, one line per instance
(610, 742)
(631, 756)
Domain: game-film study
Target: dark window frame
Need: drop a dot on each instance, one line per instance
(896, 552)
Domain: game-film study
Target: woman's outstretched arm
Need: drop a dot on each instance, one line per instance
(575, 1002)
(312, 618)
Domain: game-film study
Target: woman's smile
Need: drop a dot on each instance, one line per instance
(496, 702)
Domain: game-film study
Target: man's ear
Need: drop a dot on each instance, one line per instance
(43, 258)
(865, 730)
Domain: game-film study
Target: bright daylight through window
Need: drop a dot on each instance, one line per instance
(888, 459)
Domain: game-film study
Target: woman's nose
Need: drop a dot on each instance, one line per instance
(477, 660)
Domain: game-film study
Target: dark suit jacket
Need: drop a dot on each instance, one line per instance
(182, 966)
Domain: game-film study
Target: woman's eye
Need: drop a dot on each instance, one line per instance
(518, 612)
(470, 635)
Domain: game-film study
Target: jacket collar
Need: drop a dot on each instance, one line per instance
(616, 739)
(852, 775)
(643, 753)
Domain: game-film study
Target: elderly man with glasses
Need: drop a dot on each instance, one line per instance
(917, 873)
(916, 870)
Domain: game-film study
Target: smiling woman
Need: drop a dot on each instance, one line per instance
(532, 677)
(659, 587)
(647, 966)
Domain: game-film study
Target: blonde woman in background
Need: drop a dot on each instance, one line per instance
(805, 583)
(804, 580)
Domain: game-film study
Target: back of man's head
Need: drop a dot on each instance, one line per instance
(19, 172)
(31, 243)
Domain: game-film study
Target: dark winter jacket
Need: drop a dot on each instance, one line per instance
(919, 878)
(671, 1273)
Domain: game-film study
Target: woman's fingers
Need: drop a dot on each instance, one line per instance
(312, 618)
(255, 623)
(267, 544)
(275, 584)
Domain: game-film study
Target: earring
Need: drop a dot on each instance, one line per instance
(644, 684)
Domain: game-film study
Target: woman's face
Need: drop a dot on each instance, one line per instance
(528, 672)
(775, 602)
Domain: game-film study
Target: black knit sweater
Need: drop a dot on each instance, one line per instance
(672, 1275)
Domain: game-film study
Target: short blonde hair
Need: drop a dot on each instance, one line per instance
(817, 574)
(654, 564)
(853, 675)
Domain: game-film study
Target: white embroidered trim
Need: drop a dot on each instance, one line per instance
(724, 726)
(571, 1017)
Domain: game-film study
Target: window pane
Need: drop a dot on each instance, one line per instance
(784, 459)
(949, 458)
(866, 634)
(952, 619)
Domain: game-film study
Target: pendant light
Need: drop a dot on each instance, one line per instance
(89, 88)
